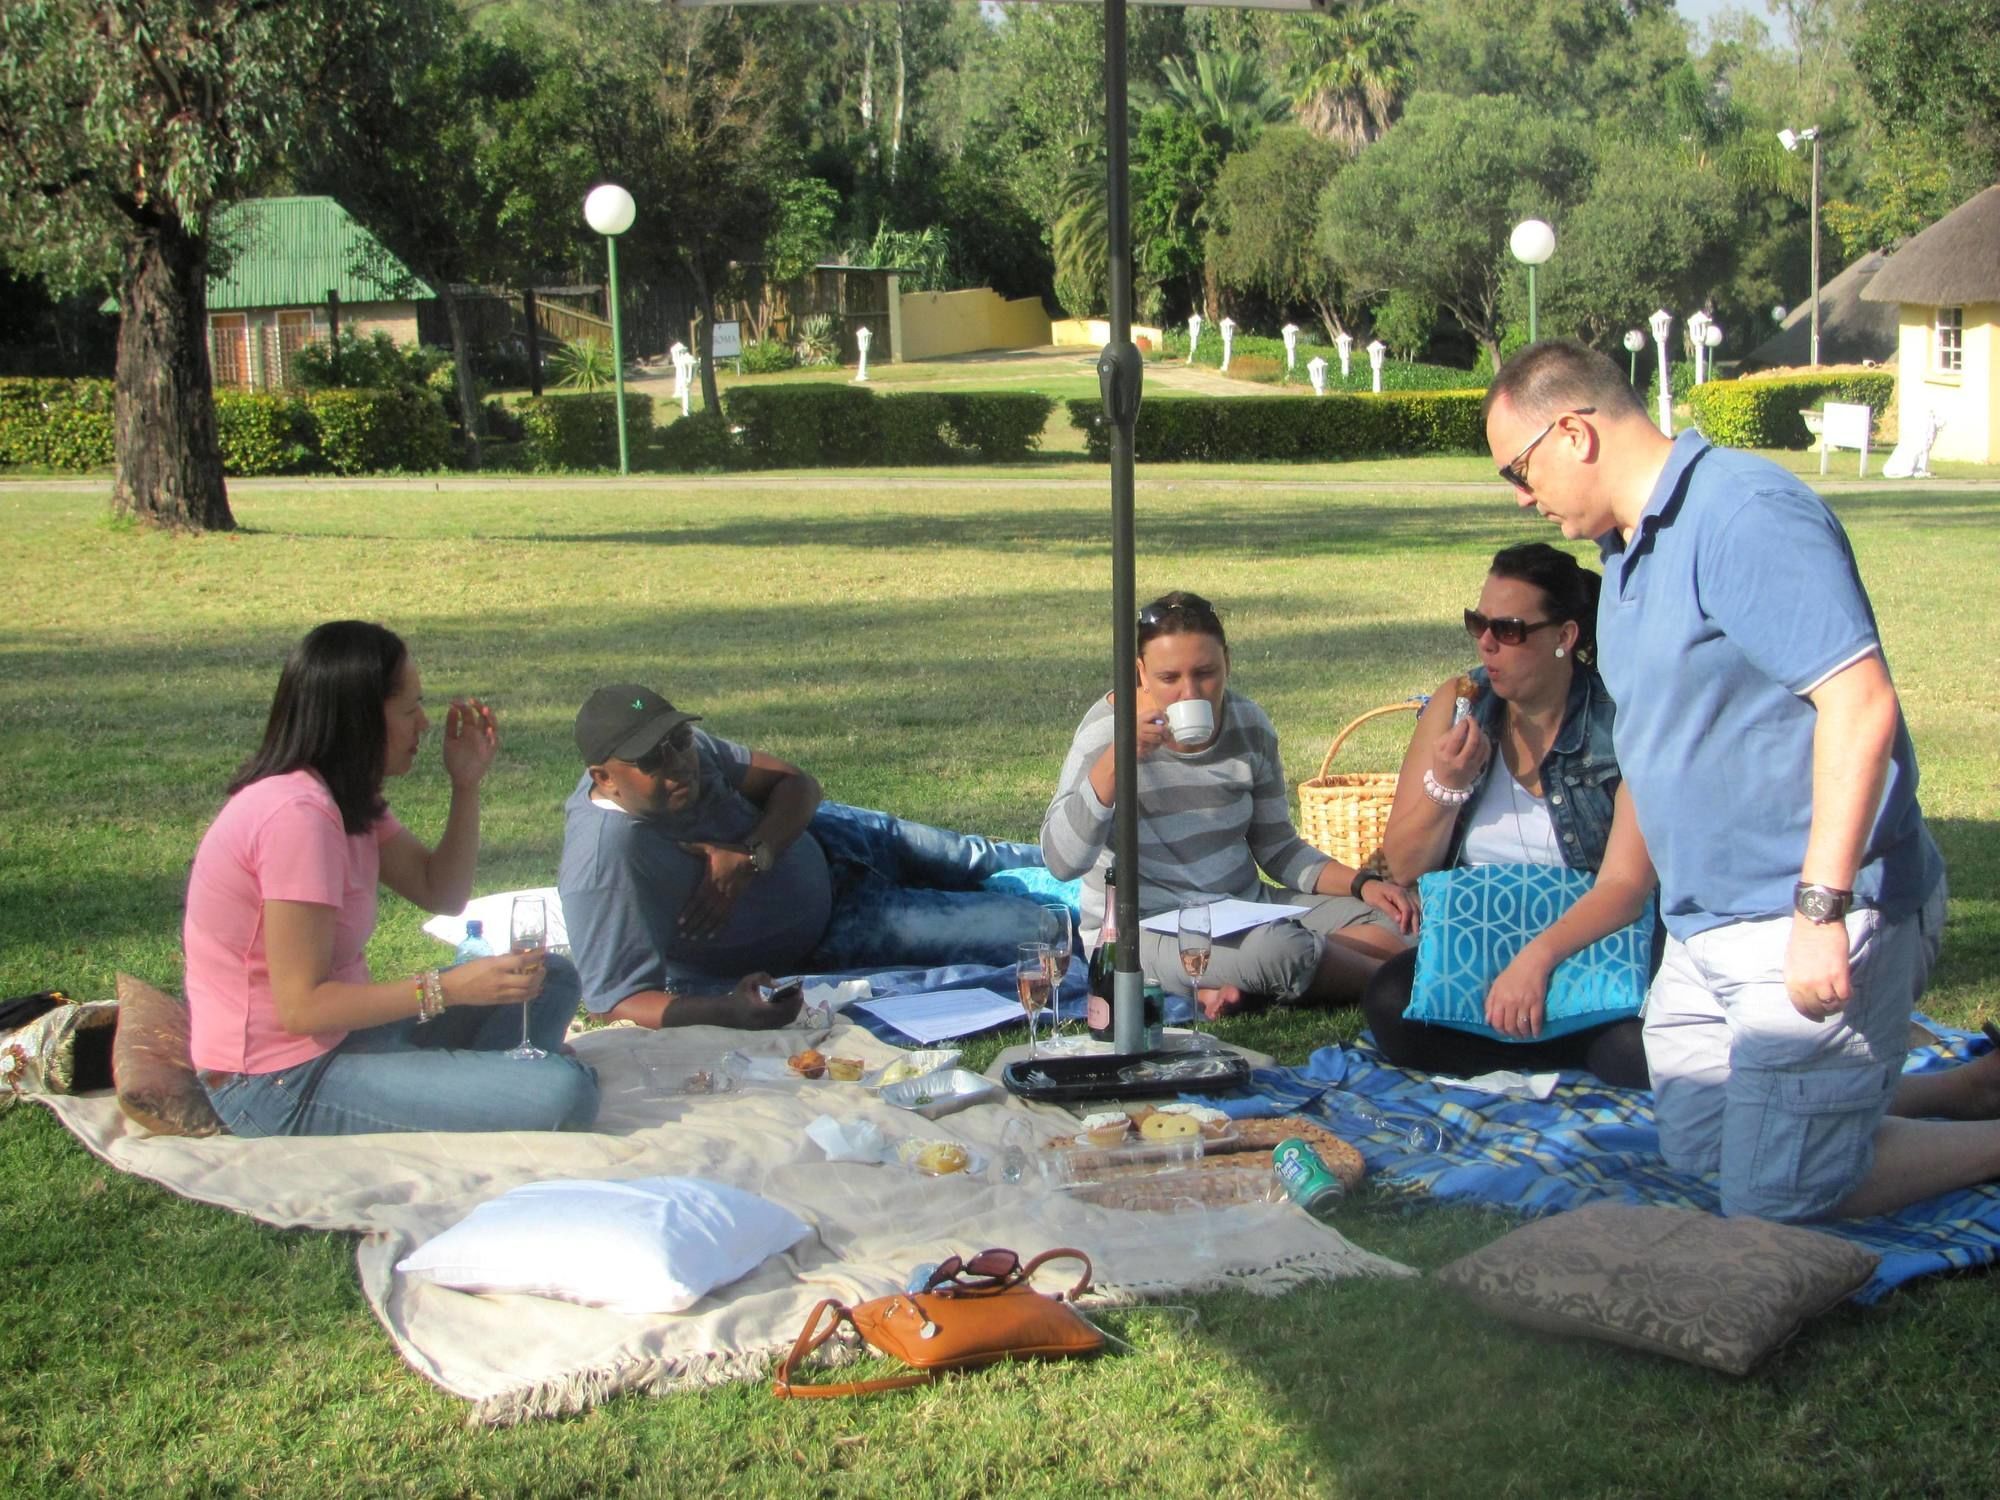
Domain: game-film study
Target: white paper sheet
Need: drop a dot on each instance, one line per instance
(944, 1014)
(496, 911)
(1227, 918)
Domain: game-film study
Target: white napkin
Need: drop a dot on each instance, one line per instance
(837, 997)
(1513, 1085)
(854, 1140)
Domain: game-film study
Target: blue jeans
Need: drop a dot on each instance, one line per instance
(448, 1075)
(908, 894)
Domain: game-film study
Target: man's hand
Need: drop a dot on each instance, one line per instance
(1516, 1005)
(1816, 978)
(754, 1013)
(708, 909)
(1393, 901)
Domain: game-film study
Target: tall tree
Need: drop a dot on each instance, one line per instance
(1265, 202)
(1934, 68)
(1428, 208)
(124, 124)
(1350, 70)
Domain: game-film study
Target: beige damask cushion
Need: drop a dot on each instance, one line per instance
(1712, 1291)
(157, 1087)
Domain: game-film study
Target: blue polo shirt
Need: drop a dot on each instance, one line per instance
(1736, 595)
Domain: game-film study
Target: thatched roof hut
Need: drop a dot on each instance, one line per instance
(1954, 262)
(1852, 331)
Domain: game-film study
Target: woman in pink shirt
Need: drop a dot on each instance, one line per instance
(290, 1033)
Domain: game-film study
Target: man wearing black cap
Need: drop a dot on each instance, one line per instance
(688, 859)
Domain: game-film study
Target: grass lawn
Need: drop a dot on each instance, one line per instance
(923, 642)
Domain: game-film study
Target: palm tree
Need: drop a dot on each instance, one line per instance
(1080, 233)
(1227, 92)
(1351, 70)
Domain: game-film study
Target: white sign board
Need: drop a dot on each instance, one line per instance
(728, 341)
(1844, 424)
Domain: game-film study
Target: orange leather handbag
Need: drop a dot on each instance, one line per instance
(957, 1321)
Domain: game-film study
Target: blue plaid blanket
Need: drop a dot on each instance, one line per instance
(1586, 1143)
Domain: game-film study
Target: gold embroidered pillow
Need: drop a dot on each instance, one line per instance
(157, 1087)
(1717, 1292)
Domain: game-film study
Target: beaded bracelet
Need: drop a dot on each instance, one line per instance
(430, 996)
(1445, 796)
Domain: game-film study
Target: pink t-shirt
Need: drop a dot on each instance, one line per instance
(279, 839)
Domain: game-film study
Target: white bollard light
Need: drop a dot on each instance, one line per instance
(1697, 331)
(863, 338)
(677, 351)
(1316, 368)
(1344, 343)
(1290, 333)
(1228, 327)
(1194, 334)
(1376, 350)
(684, 380)
(1662, 323)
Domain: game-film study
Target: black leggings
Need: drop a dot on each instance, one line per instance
(1615, 1052)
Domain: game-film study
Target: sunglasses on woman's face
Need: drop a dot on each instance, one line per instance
(991, 1265)
(1508, 630)
(669, 750)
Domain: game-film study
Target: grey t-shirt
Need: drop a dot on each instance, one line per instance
(624, 880)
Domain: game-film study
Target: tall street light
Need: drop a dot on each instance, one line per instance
(1662, 323)
(1790, 139)
(1532, 242)
(1634, 342)
(610, 210)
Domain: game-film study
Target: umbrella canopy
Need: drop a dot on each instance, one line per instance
(1119, 375)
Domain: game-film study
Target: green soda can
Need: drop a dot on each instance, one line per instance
(1305, 1179)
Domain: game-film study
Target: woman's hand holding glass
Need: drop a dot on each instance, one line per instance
(505, 979)
(470, 741)
(528, 933)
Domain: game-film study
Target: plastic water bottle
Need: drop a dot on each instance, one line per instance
(473, 944)
(1305, 1179)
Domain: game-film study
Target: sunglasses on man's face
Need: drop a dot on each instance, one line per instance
(1508, 630)
(1515, 470)
(669, 750)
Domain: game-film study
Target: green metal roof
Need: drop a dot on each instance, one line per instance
(290, 252)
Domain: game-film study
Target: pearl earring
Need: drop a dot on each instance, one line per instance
(1560, 653)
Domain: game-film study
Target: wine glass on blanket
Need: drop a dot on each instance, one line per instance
(1057, 932)
(527, 932)
(1031, 978)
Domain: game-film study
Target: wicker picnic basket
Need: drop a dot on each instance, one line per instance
(1345, 814)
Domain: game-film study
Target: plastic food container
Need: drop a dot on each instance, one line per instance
(942, 1092)
(1135, 1158)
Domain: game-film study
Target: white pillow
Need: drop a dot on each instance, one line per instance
(648, 1245)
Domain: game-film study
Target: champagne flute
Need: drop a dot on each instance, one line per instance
(1197, 945)
(1031, 977)
(528, 931)
(1058, 933)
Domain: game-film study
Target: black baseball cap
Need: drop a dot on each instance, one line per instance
(623, 722)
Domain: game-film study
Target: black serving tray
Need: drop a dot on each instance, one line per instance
(1124, 1075)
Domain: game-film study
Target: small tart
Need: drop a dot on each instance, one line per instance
(941, 1158)
(844, 1069)
(1165, 1127)
(810, 1063)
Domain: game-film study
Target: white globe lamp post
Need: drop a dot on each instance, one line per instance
(1635, 340)
(1532, 242)
(609, 210)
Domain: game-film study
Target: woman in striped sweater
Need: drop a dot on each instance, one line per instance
(1211, 816)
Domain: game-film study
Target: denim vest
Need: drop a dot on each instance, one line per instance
(1579, 774)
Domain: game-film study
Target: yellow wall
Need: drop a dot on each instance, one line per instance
(1095, 333)
(935, 323)
(1968, 402)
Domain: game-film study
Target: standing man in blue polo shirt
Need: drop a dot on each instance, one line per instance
(1775, 782)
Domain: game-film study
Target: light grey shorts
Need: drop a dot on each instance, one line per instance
(1784, 1108)
(1277, 960)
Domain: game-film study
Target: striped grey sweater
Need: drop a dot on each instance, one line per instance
(1207, 821)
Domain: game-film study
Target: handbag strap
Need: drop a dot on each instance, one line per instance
(1082, 1282)
(810, 1338)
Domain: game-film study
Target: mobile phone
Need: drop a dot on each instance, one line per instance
(792, 990)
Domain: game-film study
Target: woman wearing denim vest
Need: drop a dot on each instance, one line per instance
(1528, 776)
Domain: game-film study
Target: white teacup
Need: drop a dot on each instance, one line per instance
(1192, 720)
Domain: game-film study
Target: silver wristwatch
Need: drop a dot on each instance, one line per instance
(1820, 904)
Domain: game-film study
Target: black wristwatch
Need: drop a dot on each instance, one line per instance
(762, 856)
(1820, 904)
(1361, 879)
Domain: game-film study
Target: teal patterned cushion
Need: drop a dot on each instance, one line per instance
(1478, 917)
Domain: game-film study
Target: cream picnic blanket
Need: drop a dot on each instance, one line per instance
(520, 1356)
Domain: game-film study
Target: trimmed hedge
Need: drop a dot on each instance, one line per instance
(699, 440)
(1230, 429)
(829, 426)
(263, 432)
(373, 432)
(1765, 413)
(580, 430)
(57, 424)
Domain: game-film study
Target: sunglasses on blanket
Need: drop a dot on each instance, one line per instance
(669, 749)
(993, 1267)
(1508, 630)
